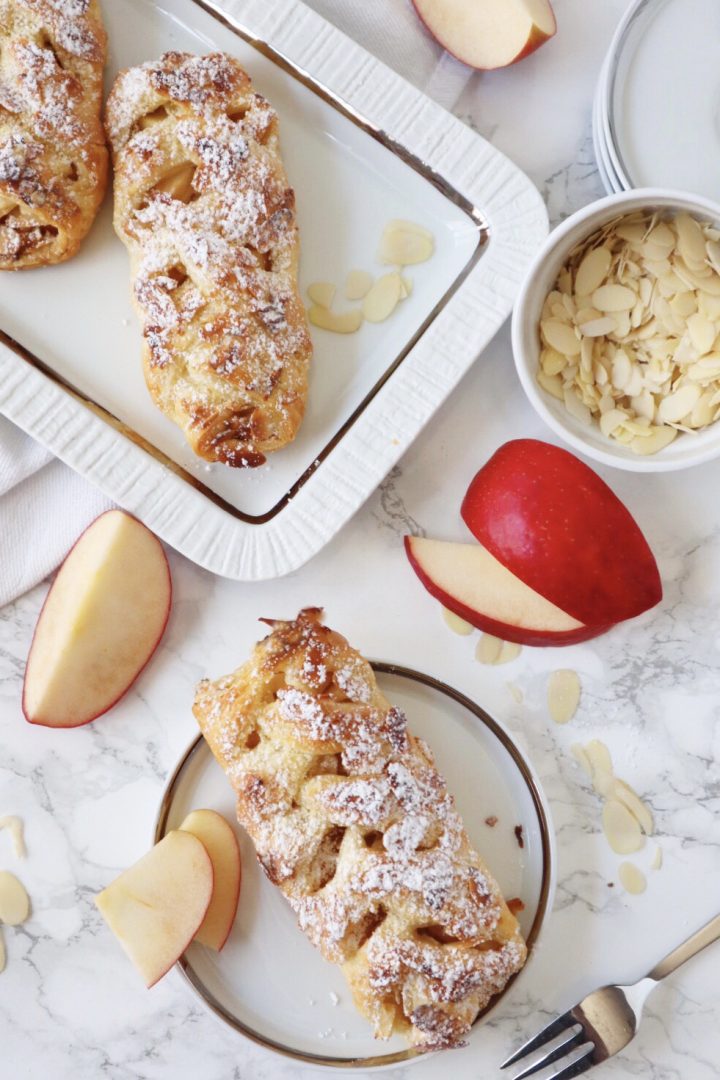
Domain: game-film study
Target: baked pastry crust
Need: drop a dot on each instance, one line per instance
(352, 821)
(203, 205)
(53, 158)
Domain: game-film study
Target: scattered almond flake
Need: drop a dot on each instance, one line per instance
(625, 794)
(488, 649)
(382, 298)
(633, 313)
(563, 695)
(632, 879)
(509, 652)
(407, 286)
(14, 900)
(515, 692)
(404, 243)
(2, 952)
(322, 293)
(346, 322)
(657, 859)
(581, 756)
(14, 826)
(621, 828)
(456, 624)
(358, 284)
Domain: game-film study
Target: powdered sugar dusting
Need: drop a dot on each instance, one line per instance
(371, 853)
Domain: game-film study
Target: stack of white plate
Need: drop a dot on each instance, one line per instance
(656, 116)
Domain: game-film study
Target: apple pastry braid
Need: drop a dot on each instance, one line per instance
(352, 821)
(203, 205)
(53, 158)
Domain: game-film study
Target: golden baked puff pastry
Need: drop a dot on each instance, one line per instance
(203, 205)
(352, 821)
(53, 158)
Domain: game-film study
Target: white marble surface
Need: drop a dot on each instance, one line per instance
(70, 1006)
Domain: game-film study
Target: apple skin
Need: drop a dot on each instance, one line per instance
(518, 634)
(39, 720)
(463, 53)
(557, 526)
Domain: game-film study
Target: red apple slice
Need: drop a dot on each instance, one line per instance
(102, 620)
(470, 582)
(557, 526)
(154, 909)
(488, 34)
(218, 839)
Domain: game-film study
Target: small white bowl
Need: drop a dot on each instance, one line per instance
(686, 450)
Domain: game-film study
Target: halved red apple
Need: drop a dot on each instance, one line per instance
(488, 34)
(469, 581)
(101, 622)
(554, 524)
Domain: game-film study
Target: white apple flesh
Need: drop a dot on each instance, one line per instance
(218, 839)
(155, 908)
(468, 580)
(102, 621)
(488, 34)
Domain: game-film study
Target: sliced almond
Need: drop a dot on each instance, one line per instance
(383, 298)
(621, 828)
(702, 333)
(515, 692)
(659, 439)
(456, 624)
(583, 760)
(657, 859)
(599, 756)
(576, 407)
(357, 285)
(406, 286)
(611, 298)
(679, 404)
(625, 794)
(552, 362)
(563, 695)
(346, 322)
(552, 384)
(632, 879)
(598, 327)
(14, 900)
(691, 241)
(2, 940)
(509, 652)
(14, 826)
(592, 271)
(488, 649)
(322, 293)
(404, 243)
(561, 337)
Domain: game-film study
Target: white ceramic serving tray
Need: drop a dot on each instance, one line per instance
(268, 982)
(361, 147)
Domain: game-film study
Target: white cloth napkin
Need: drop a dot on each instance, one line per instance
(44, 506)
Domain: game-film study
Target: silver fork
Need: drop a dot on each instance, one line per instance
(603, 1023)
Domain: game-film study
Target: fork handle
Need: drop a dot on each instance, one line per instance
(688, 949)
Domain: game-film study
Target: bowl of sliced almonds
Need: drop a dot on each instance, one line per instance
(616, 332)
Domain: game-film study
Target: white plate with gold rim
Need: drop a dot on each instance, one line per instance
(361, 147)
(269, 983)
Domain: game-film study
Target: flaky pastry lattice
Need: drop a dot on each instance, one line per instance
(351, 819)
(203, 205)
(53, 158)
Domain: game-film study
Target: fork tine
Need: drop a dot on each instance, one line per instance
(555, 1027)
(573, 1064)
(549, 1051)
